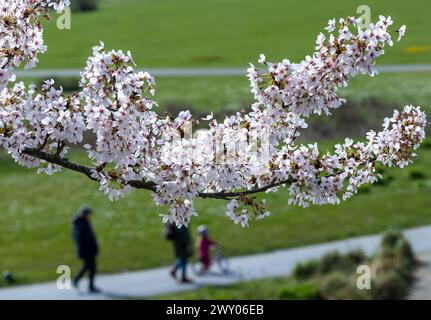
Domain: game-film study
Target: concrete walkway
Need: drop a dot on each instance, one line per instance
(152, 282)
(207, 72)
(421, 290)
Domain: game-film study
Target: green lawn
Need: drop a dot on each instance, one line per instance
(228, 94)
(36, 211)
(266, 289)
(224, 95)
(180, 33)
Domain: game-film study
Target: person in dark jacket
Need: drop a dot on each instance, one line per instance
(183, 250)
(86, 247)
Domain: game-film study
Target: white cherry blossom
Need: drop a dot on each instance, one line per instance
(235, 159)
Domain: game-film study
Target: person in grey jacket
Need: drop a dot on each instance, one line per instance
(86, 246)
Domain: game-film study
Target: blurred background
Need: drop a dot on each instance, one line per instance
(36, 210)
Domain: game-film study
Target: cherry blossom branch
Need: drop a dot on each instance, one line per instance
(63, 162)
(246, 154)
(226, 195)
(90, 173)
(148, 185)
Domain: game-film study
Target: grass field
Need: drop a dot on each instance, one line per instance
(192, 33)
(224, 95)
(36, 211)
(266, 289)
(227, 94)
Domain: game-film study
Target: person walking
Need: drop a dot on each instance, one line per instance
(183, 249)
(86, 246)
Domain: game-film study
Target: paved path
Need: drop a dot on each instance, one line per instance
(422, 288)
(207, 72)
(156, 281)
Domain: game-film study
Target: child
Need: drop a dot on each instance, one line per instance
(204, 244)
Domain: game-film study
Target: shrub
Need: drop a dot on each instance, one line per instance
(84, 5)
(426, 144)
(390, 239)
(356, 256)
(395, 261)
(385, 180)
(306, 270)
(389, 285)
(334, 261)
(392, 267)
(417, 175)
(330, 262)
(405, 250)
(365, 188)
(405, 260)
(335, 285)
(394, 244)
(300, 291)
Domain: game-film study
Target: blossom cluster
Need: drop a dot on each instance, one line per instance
(311, 85)
(119, 112)
(21, 34)
(43, 119)
(234, 159)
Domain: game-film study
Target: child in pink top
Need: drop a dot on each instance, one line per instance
(204, 244)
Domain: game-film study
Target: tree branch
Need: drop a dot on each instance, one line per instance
(63, 162)
(148, 185)
(88, 171)
(229, 195)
